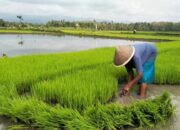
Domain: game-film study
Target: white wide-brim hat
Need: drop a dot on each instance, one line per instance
(123, 54)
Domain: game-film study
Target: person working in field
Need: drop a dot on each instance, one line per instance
(141, 57)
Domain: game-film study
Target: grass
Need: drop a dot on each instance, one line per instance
(73, 90)
(156, 36)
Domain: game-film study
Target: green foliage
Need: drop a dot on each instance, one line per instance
(2, 23)
(143, 26)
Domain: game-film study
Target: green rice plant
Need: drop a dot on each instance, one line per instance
(27, 70)
(111, 117)
(80, 124)
(138, 115)
(18, 127)
(167, 63)
(81, 89)
(39, 115)
(66, 81)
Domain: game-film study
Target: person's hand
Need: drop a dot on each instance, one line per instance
(126, 89)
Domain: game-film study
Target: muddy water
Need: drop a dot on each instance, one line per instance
(7, 124)
(4, 123)
(153, 91)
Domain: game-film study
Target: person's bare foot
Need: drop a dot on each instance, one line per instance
(143, 90)
(142, 97)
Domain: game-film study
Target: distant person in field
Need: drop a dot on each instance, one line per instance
(141, 57)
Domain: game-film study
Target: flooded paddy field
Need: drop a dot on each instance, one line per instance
(23, 44)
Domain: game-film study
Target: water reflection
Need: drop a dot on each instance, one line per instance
(22, 44)
(21, 41)
(4, 55)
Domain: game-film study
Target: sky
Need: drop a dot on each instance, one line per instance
(102, 10)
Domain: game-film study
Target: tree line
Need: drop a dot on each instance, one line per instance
(140, 26)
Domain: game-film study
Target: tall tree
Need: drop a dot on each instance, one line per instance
(21, 20)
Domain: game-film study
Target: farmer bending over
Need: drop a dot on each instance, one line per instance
(141, 57)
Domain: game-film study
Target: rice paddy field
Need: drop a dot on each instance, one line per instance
(74, 90)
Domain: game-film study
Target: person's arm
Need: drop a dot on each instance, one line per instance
(131, 83)
(139, 71)
(130, 75)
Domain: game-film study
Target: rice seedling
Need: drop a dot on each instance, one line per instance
(83, 90)
(167, 64)
(68, 80)
(138, 115)
(40, 115)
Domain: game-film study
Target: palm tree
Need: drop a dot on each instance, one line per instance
(21, 20)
